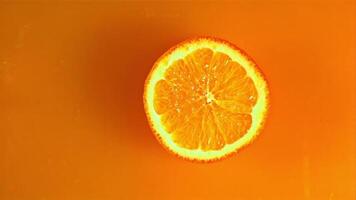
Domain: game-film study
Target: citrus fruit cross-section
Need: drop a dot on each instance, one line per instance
(205, 99)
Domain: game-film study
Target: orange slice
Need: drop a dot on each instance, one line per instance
(205, 99)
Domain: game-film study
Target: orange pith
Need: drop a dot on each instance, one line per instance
(205, 99)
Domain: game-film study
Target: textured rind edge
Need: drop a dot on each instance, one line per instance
(256, 68)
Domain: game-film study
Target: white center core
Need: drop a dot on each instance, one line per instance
(209, 97)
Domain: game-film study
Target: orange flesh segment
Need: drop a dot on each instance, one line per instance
(205, 100)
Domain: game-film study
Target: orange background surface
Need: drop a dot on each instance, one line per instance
(72, 124)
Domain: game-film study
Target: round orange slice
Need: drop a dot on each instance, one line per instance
(205, 99)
